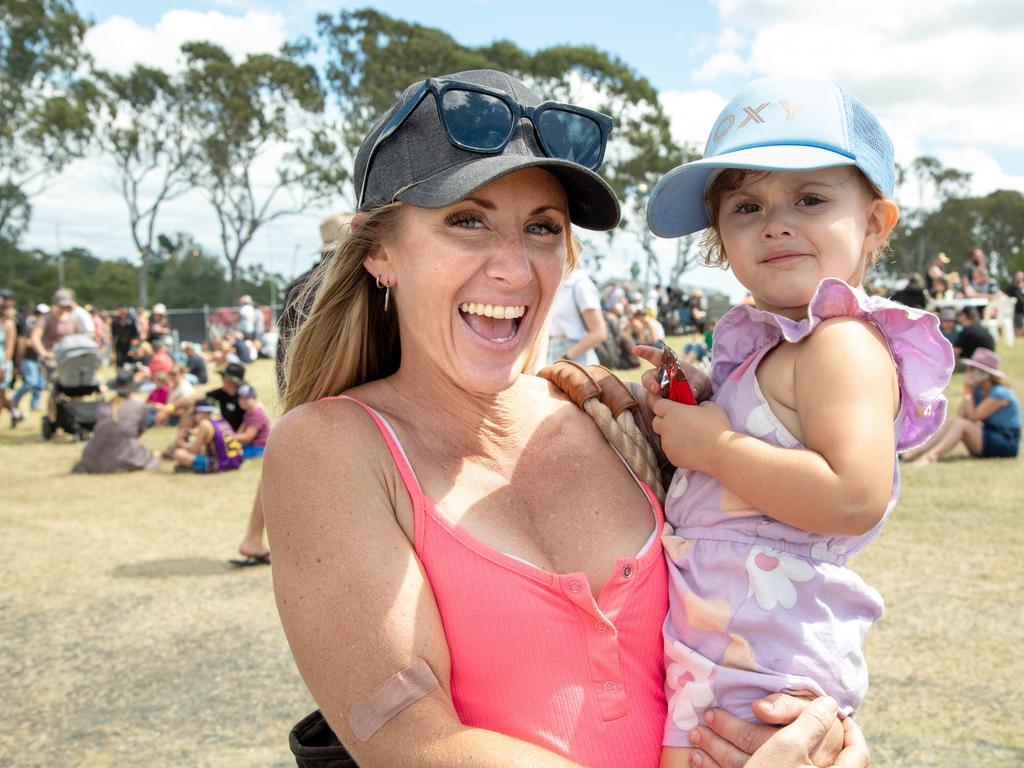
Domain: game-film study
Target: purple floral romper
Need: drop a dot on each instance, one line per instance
(757, 606)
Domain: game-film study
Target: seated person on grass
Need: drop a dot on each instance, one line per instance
(232, 377)
(255, 427)
(195, 363)
(157, 398)
(179, 398)
(211, 445)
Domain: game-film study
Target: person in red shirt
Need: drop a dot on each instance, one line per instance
(161, 362)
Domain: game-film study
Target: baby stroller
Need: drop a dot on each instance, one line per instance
(76, 377)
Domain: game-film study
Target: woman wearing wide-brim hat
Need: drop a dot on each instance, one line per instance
(114, 445)
(987, 421)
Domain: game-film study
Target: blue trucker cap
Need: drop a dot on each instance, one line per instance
(775, 124)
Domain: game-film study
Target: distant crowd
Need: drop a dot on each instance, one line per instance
(63, 345)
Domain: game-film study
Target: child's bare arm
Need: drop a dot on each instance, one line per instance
(845, 398)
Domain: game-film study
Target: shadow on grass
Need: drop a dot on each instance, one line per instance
(178, 566)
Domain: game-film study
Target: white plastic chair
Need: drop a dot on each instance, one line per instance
(999, 319)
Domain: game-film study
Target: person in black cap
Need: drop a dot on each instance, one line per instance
(408, 392)
(973, 335)
(226, 397)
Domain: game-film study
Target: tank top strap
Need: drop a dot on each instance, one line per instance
(398, 455)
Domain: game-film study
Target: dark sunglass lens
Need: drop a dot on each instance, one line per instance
(476, 119)
(571, 136)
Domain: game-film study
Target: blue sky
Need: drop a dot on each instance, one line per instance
(640, 39)
(943, 77)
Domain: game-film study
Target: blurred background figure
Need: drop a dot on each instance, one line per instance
(124, 332)
(8, 346)
(948, 325)
(987, 421)
(159, 325)
(195, 363)
(576, 325)
(912, 294)
(114, 445)
(973, 335)
(1016, 291)
(247, 318)
(29, 366)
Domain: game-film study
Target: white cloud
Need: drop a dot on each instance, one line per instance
(692, 113)
(987, 175)
(721, 64)
(947, 71)
(118, 43)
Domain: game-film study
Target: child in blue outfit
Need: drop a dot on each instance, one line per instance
(791, 468)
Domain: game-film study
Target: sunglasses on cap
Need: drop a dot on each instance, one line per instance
(480, 119)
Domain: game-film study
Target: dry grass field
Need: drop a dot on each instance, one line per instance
(127, 639)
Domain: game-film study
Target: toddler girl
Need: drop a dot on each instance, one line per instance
(792, 466)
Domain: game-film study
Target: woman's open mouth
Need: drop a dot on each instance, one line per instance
(495, 323)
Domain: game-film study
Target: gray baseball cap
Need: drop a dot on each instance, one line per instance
(419, 166)
(62, 297)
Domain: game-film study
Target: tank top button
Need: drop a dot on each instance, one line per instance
(609, 687)
(600, 626)
(574, 586)
(627, 571)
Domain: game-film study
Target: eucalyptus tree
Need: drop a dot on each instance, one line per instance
(262, 148)
(371, 57)
(45, 121)
(141, 129)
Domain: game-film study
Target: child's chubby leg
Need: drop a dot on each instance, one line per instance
(675, 757)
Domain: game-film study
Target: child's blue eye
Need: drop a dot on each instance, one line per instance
(747, 208)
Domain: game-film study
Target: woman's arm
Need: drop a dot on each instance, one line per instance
(246, 435)
(982, 410)
(353, 598)
(597, 332)
(36, 339)
(844, 392)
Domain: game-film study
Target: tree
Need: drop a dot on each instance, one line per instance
(33, 275)
(44, 106)
(189, 277)
(917, 240)
(994, 223)
(141, 128)
(372, 57)
(242, 116)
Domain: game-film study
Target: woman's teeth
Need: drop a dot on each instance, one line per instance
(490, 310)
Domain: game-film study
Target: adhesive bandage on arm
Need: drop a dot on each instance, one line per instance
(390, 698)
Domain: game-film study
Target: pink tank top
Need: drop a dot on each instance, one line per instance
(533, 655)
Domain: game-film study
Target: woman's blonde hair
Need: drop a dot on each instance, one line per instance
(344, 337)
(732, 179)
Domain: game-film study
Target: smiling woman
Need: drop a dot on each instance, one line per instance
(465, 570)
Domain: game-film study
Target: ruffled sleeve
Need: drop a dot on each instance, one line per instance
(924, 358)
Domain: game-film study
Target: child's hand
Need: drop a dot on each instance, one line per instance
(699, 382)
(689, 435)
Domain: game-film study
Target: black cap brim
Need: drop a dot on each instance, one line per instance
(592, 203)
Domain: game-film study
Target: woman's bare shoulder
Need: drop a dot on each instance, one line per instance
(332, 445)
